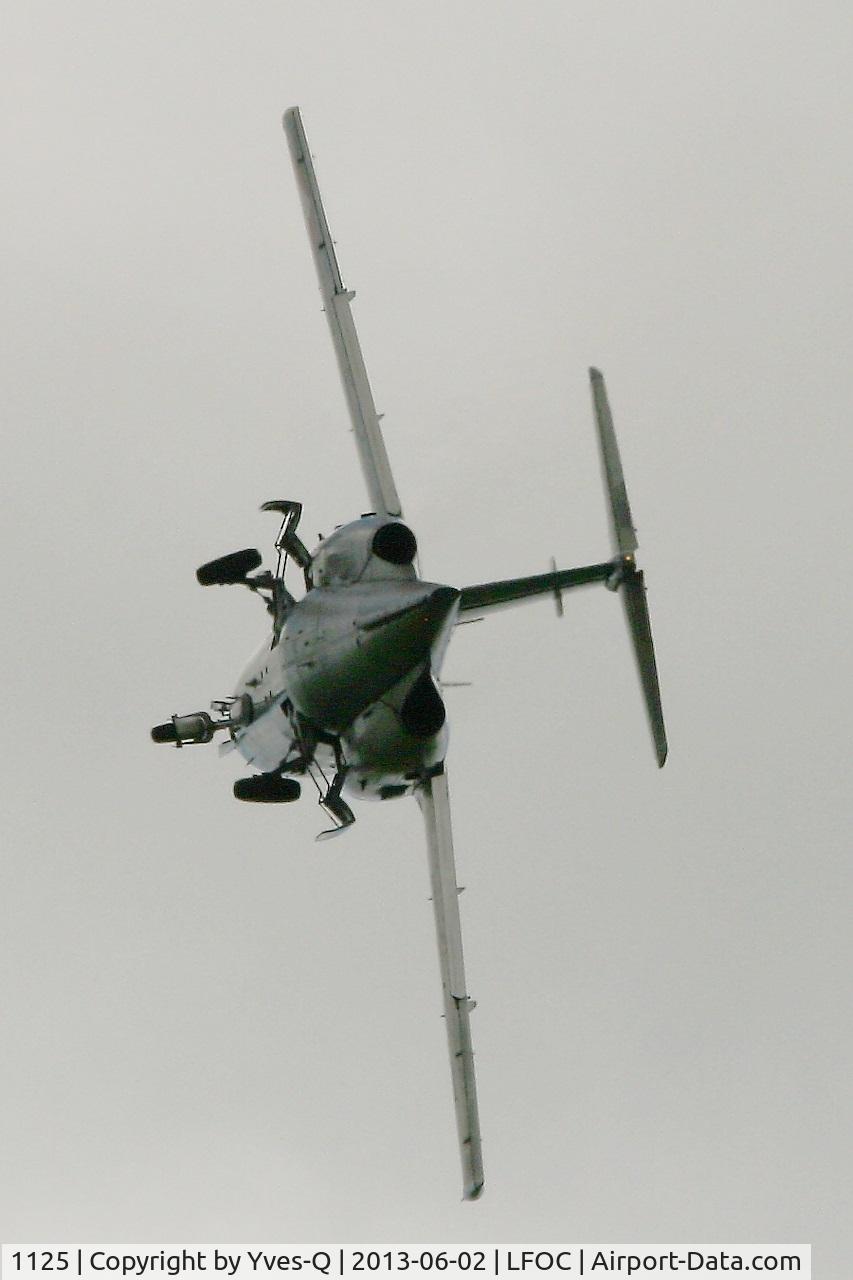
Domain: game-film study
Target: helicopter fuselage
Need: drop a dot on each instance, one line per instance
(350, 677)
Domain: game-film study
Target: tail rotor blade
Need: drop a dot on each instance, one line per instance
(626, 577)
(633, 592)
(623, 525)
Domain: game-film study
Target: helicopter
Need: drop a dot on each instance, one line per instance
(346, 690)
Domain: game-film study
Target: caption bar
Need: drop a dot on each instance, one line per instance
(355, 1262)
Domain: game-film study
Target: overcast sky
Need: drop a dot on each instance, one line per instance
(213, 1028)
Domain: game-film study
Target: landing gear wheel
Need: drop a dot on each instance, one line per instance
(267, 788)
(229, 570)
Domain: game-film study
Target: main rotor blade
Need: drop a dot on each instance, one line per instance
(434, 801)
(633, 592)
(622, 524)
(337, 304)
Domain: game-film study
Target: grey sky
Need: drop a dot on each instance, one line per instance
(213, 1028)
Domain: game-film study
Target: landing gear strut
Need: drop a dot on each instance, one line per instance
(336, 807)
(306, 737)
